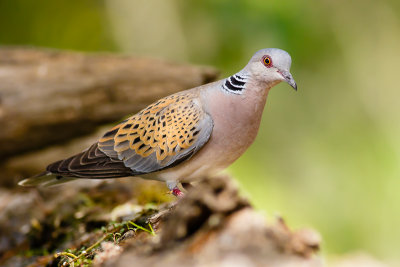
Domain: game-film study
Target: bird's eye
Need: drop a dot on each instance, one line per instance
(267, 61)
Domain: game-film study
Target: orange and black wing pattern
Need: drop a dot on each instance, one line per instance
(164, 134)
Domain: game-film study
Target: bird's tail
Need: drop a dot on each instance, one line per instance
(45, 179)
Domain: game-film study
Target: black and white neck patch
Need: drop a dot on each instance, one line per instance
(235, 84)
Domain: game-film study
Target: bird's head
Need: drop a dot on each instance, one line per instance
(271, 66)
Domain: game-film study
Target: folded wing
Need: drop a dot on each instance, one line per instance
(163, 135)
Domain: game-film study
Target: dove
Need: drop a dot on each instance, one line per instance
(183, 137)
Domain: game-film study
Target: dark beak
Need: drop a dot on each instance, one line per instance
(289, 79)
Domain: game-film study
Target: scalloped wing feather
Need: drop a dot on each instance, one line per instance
(164, 134)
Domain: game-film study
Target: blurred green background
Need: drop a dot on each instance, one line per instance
(327, 156)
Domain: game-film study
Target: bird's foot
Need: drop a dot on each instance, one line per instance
(173, 186)
(177, 192)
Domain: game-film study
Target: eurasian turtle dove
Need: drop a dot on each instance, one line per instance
(185, 136)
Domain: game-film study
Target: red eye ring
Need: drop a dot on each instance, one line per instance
(267, 61)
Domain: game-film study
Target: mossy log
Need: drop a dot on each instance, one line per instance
(113, 224)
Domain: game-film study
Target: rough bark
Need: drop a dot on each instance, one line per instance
(48, 96)
(212, 225)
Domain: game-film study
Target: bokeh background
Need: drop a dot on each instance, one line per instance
(326, 156)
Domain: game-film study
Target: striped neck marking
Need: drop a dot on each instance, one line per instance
(235, 84)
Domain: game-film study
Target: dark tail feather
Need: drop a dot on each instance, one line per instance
(91, 163)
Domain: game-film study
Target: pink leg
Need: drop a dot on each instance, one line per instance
(177, 192)
(173, 186)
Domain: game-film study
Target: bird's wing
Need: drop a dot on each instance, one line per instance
(164, 134)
